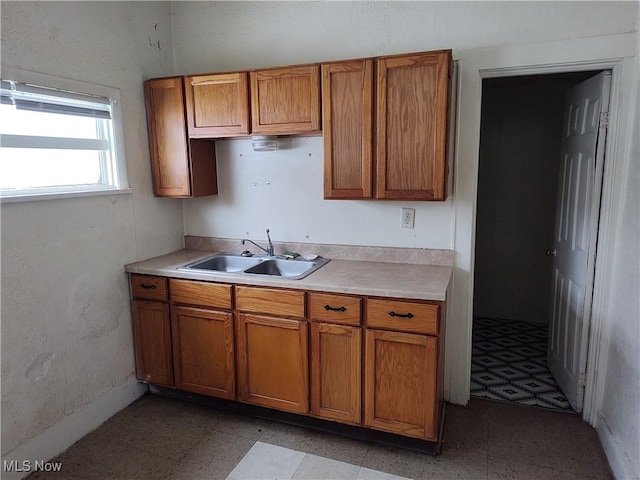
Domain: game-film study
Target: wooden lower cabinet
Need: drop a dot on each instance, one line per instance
(152, 337)
(295, 351)
(401, 383)
(273, 362)
(336, 365)
(203, 351)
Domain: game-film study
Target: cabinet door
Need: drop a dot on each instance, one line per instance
(179, 167)
(336, 372)
(203, 351)
(285, 100)
(152, 337)
(411, 126)
(167, 137)
(217, 105)
(347, 112)
(400, 383)
(273, 362)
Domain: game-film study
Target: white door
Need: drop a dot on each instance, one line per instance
(578, 205)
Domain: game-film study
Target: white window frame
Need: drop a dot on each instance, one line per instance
(119, 181)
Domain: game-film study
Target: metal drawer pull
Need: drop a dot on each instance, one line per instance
(335, 309)
(401, 315)
(147, 287)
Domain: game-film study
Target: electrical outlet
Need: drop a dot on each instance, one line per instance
(408, 218)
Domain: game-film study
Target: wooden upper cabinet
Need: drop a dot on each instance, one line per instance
(347, 114)
(285, 100)
(217, 104)
(412, 97)
(180, 167)
(167, 137)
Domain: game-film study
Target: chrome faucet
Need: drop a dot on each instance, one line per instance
(269, 248)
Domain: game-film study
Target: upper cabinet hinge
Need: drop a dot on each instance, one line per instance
(604, 119)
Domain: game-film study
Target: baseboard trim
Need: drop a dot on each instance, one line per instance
(57, 438)
(620, 460)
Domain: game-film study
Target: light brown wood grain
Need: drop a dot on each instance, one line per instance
(347, 116)
(411, 125)
(217, 104)
(204, 294)
(152, 341)
(284, 303)
(180, 167)
(389, 314)
(336, 366)
(203, 351)
(332, 308)
(167, 137)
(148, 287)
(273, 362)
(203, 171)
(285, 100)
(400, 383)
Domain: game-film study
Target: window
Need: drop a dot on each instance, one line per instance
(58, 140)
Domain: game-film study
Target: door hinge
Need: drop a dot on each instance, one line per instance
(604, 120)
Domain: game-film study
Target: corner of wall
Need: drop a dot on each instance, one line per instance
(57, 438)
(620, 459)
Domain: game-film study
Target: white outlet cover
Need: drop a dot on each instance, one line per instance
(407, 220)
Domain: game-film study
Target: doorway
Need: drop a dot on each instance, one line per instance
(519, 164)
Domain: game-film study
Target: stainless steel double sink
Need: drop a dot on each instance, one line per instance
(255, 265)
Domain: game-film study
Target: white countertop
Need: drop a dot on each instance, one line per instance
(401, 280)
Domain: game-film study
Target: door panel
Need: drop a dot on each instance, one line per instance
(336, 372)
(152, 336)
(167, 137)
(575, 234)
(400, 390)
(203, 351)
(273, 362)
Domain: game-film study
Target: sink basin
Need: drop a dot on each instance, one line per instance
(224, 263)
(268, 266)
(283, 268)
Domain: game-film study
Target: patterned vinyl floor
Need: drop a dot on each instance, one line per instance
(509, 363)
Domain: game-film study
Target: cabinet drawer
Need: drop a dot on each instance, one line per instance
(334, 308)
(285, 303)
(148, 287)
(403, 316)
(200, 293)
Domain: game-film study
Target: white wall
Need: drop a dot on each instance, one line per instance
(282, 191)
(217, 36)
(67, 353)
(226, 36)
(619, 416)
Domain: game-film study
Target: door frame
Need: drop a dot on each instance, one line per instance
(615, 53)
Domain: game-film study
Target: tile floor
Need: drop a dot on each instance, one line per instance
(509, 362)
(164, 439)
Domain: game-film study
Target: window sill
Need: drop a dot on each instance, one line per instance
(34, 197)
